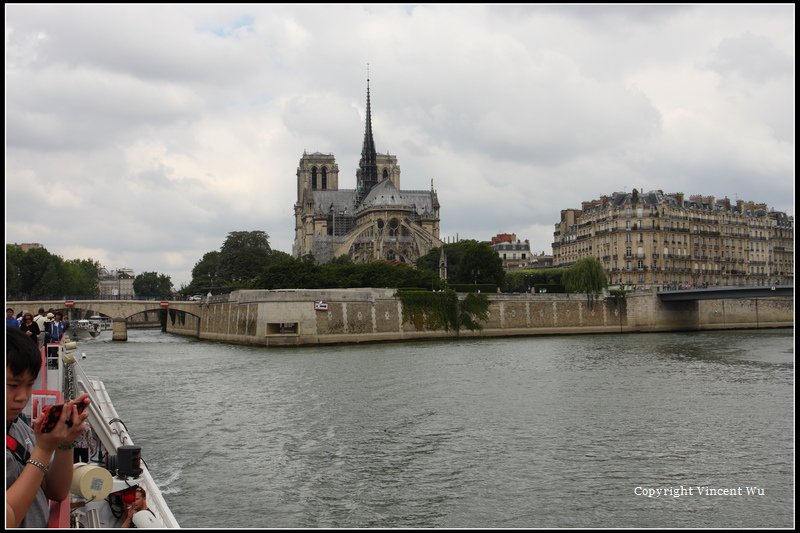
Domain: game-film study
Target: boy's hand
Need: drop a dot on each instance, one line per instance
(62, 433)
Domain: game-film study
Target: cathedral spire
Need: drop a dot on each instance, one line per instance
(368, 165)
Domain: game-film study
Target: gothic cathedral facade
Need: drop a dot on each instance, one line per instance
(376, 221)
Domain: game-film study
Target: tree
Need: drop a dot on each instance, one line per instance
(83, 276)
(587, 276)
(149, 284)
(524, 280)
(14, 270)
(468, 261)
(473, 310)
(242, 257)
(205, 273)
(443, 309)
(479, 264)
(39, 274)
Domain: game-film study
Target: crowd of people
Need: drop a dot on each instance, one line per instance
(42, 328)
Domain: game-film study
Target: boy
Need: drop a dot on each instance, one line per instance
(31, 476)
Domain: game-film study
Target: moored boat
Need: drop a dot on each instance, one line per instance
(108, 465)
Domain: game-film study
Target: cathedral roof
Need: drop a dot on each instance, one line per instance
(339, 200)
(385, 195)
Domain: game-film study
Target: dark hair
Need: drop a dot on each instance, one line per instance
(9, 309)
(141, 491)
(21, 353)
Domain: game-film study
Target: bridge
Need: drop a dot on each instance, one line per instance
(719, 293)
(118, 310)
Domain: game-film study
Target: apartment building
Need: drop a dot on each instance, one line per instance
(657, 239)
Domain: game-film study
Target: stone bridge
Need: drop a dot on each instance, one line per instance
(720, 293)
(118, 310)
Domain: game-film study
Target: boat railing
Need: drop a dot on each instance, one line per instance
(113, 433)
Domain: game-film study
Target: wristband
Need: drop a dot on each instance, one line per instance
(38, 465)
(66, 446)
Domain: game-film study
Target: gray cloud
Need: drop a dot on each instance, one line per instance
(171, 126)
(753, 57)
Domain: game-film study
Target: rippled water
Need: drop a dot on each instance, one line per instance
(525, 432)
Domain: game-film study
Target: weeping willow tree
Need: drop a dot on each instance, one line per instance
(586, 276)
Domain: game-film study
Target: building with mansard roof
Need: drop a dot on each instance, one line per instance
(375, 221)
(658, 239)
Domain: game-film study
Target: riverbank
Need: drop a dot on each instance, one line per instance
(340, 316)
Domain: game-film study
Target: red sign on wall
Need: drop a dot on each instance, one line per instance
(164, 303)
(69, 303)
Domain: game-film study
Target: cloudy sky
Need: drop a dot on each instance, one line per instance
(141, 135)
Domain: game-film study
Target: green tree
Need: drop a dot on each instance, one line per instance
(587, 276)
(522, 280)
(14, 271)
(205, 274)
(287, 272)
(479, 264)
(242, 256)
(443, 309)
(468, 261)
(38, 272)
(82, 277)
(473, 310)
(152, 284)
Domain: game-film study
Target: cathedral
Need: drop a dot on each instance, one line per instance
(375, 221)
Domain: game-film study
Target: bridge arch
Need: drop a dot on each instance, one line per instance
(119, 310)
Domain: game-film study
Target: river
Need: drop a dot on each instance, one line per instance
(562, 431)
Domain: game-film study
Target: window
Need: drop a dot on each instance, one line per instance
(324, 178)
(282, 328)
(314, 178)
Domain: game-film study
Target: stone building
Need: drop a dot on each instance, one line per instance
(657, 239)
(514, 253)
(375, 221)
(116, 284)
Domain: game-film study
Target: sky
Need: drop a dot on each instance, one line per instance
(140, 136)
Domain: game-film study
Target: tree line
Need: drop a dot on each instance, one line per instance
(37, 274)
(246, 261)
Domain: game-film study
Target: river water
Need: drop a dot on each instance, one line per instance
(566, 431)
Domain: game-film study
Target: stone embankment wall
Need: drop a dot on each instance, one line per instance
(291, 317)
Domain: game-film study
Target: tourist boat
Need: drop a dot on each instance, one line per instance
(84, 329)
(103, 323)
(108, 465)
